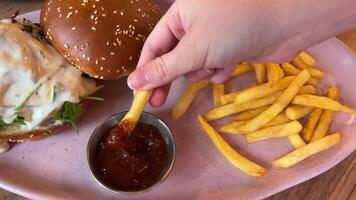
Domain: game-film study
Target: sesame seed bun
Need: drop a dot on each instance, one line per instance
(103, 38)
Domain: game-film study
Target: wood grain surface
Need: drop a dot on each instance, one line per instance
(338, 183)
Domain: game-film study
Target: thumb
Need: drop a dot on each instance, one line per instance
(185, 57)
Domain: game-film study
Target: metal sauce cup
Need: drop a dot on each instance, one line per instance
(110, 122)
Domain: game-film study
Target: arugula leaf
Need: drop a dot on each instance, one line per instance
(94, 98)
(3, 124)
(70, 113)
(18, 121)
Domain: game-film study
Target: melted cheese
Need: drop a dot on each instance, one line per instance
(35, 78)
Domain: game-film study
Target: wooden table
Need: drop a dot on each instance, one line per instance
(337, 183)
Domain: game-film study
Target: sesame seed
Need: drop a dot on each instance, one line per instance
(73, 28)
(102, 58)
(130, 58)
(96, 62)
(101, 68)
(76, 11)
(101, 77)
(69, 14)
(115, 12)
(66, 46)
(121, 13)
(112, 53)
(95, 12)
(93, 28)
(84, 55)
(88, 58)
(96, 76)
(77, 59)
(139, 10)
(75, 47)
(135, 20)
(70, 7)
(60, 15)
(118, 70)
(104, 15)
(114, 43)
(92, 17)
(107, 43)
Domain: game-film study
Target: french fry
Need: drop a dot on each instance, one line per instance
(306, 151)
(260, 71)
(187, 98)
(274, 72)
(299, 63)
(249, 114)
(311, 123)
(231, 127)
(230, 97)
(307, 89)
(279, 119)
(232, 108)
(218, 91)
(277, 106)
(290, 70)
(296, 141)
(306, 58)
(242, 69)
(325, 118)
(296, 112)
(321, 102)
(263, 90)
(140, 100)
(282, 130)
(236, 159)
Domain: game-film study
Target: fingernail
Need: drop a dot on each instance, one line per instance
(137, 80)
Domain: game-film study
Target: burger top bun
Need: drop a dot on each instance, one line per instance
(103, 38)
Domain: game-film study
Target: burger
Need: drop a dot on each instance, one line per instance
(48, 70)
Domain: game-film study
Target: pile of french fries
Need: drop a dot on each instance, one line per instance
(274, 107)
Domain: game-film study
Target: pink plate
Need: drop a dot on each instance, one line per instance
(55, 168)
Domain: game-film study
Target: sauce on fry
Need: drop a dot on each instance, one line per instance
(131, 161)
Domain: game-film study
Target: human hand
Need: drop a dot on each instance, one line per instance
(206, 38)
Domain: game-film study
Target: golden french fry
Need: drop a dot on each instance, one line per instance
(290, 70)
(321, 102)
(299, 63)
(313, 81)
(260, 71)
(232, 108)
(263, 90)
(242, 69)
(230, 97)
(236, 159)
(279, 119)
(249, 114)
(306, 151)
(187, 98)
(274, 72)
(306, 58)
(218, 91)
(325, 118)
(311, 123)
(296, 112)
(307, 89)
(296, 141)
(140, 100)
(282, 130)
(231, 127)
(277, 106)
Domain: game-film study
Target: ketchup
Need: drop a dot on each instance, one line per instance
(131, 161)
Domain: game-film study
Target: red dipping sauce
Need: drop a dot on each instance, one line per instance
(131, 162)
